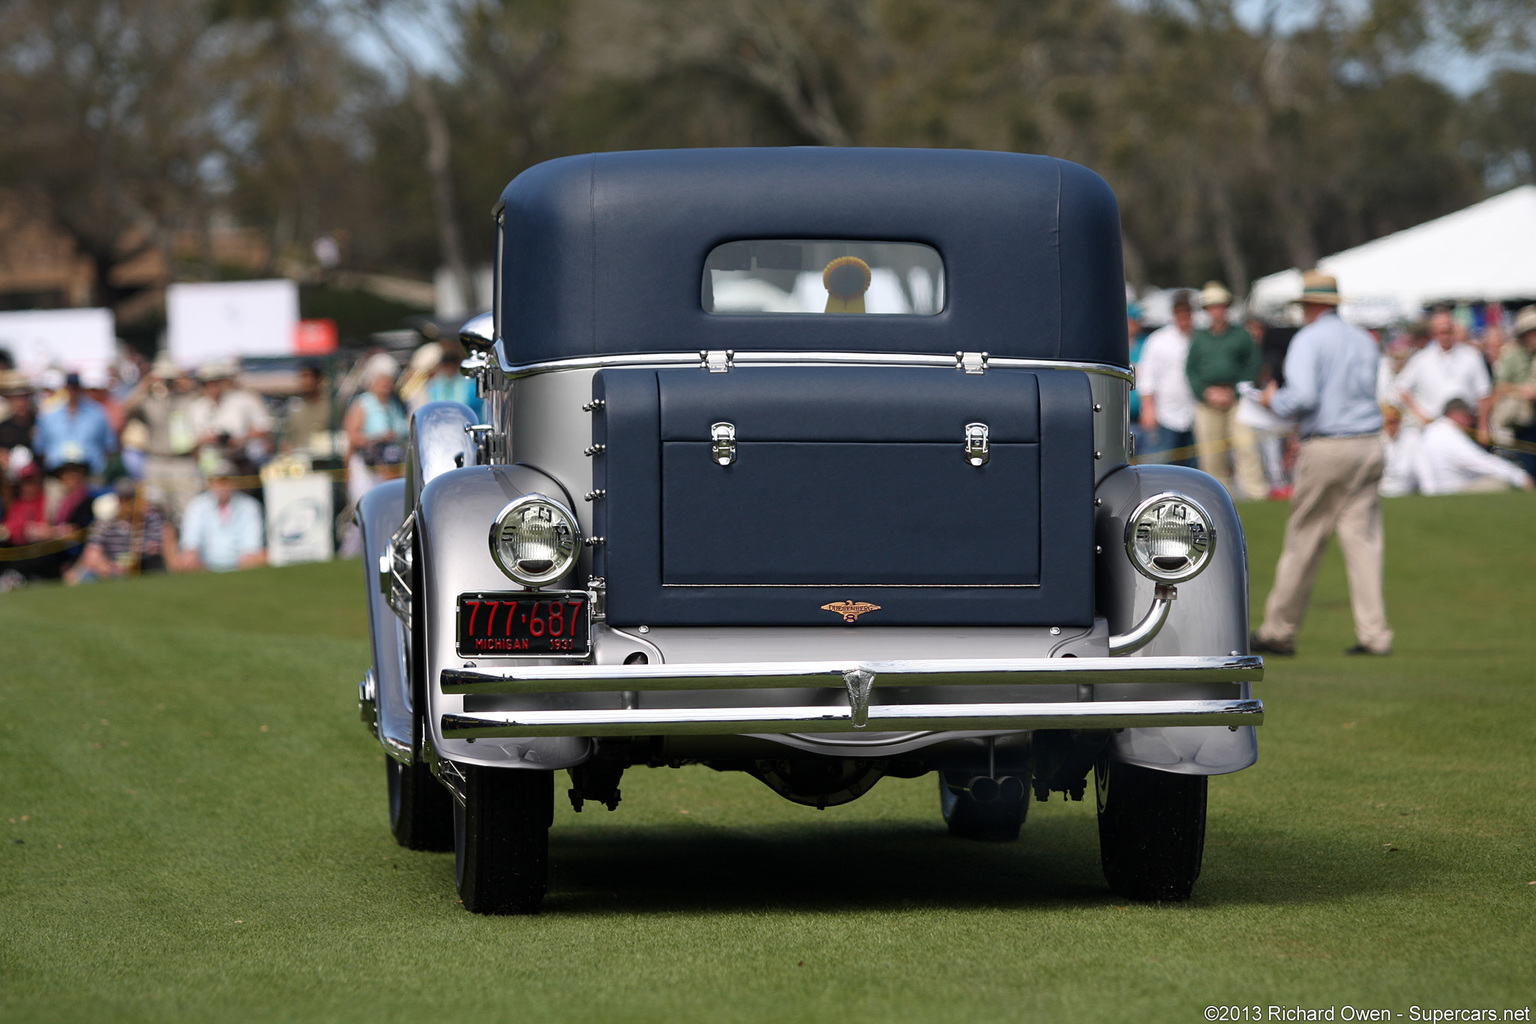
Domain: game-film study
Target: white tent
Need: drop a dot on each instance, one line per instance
(1480, 254)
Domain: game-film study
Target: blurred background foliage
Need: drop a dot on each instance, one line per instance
(1242, 136)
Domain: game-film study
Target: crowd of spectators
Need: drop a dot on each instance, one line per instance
(1457, 392)
(151, 466)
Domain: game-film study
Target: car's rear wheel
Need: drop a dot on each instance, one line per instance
(420, 809)
(1151, 830)
(501, 839)
(993, 821)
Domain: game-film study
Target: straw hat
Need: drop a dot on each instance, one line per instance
(14, 382)
(1320, 288)
(220, 369)
(378, 365)
(1525, 321)
(1215, 294)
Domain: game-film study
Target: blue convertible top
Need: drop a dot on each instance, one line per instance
(604, 253)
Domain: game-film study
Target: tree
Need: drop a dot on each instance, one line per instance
(106, 117)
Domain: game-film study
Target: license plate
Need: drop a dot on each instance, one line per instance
(547, 622)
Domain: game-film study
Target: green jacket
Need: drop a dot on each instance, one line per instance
(1227, 358)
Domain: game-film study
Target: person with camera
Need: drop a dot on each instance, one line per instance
(230, 422)
(163, 399)
(376, 426)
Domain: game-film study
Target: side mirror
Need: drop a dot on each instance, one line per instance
(479, 333)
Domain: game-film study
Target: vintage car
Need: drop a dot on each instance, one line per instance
(811, 464)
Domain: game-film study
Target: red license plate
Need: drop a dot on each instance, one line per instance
(547, 622)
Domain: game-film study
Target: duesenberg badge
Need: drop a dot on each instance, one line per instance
(850, 610)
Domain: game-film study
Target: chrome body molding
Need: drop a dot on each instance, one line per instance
(730, 359)
(814, 719)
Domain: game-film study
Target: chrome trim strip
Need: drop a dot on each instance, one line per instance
(682, 721)
(739, 358)
(397, 750)
(936, 672)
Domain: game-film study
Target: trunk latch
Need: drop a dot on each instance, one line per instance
(977, 449)
(723, 442)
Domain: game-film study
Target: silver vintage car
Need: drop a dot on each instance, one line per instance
(811, 464)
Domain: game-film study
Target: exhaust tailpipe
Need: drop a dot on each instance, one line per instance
(985, 789)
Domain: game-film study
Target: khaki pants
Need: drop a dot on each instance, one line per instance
(1336, 490)
(1218, 434)
(171, 481)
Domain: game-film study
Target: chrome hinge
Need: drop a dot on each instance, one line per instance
(593, 542)
(717, 360)
(595, 405)
(490, 444)
(723, 442)
(597, 495)
(476, 364)
(977, 448)
(971, 362)
(395, 569)
(594, 449)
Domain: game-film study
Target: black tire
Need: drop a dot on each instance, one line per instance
(501, 839)
(997, 821)
(420, 809)
(1151, 830)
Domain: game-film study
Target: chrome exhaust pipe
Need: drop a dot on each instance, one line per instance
(986, 789)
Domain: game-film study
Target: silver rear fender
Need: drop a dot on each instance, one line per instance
(453, 523)
(1209, 618)
(440, 443)
(378, 516)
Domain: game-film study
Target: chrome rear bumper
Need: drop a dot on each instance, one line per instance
(861, 683)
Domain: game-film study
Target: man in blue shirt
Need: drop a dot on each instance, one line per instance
(221, 528)
(76, 431)
(1330, 389)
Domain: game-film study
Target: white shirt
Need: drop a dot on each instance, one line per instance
(1160, 376)
(1434, 376)
(1400, 475)
(238, 414)
(1448, 460)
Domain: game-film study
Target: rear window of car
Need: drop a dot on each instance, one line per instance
(823, 276)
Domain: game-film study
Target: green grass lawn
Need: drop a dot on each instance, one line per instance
(192, 827)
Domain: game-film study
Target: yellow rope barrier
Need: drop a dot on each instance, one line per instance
(22, 552)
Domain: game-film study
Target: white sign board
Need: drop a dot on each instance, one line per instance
(73, 340)
(228, 319)
(299, 518)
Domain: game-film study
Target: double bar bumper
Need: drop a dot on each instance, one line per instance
(861, 682)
